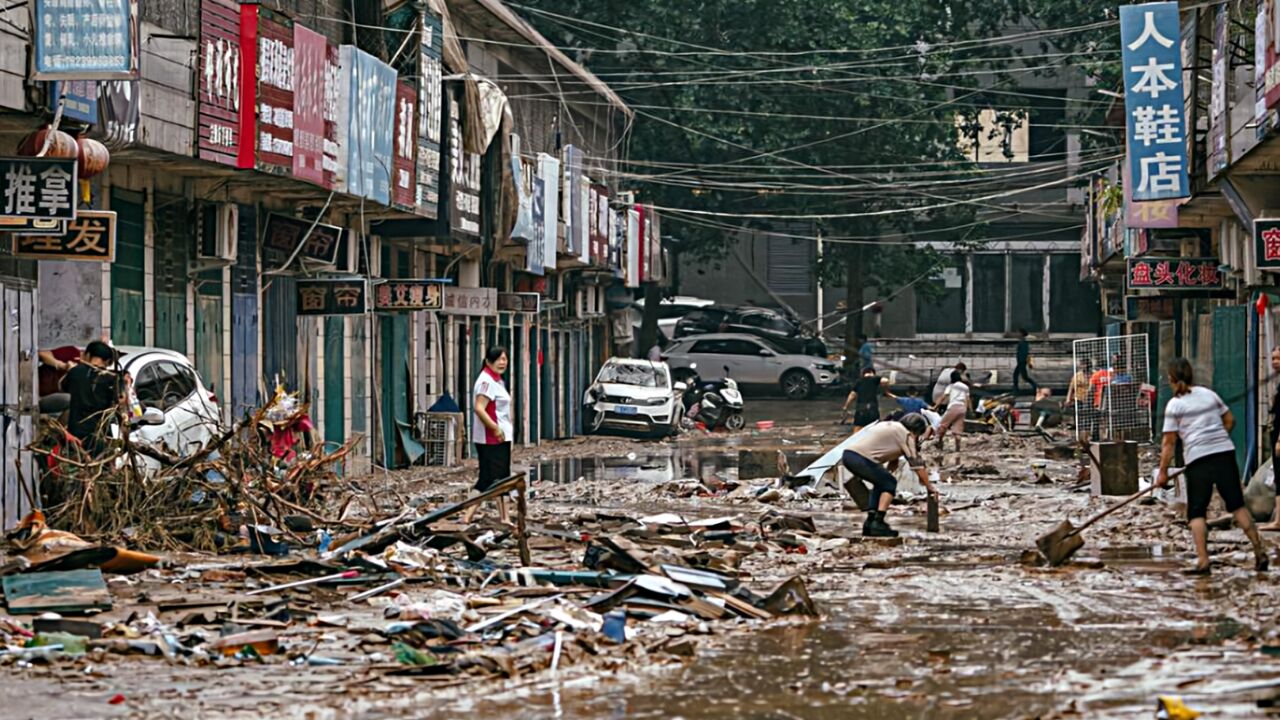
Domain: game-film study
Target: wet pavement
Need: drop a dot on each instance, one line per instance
(948, 625)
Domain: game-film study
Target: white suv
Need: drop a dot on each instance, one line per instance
(634, 396)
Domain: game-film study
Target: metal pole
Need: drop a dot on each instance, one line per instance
(821, 311)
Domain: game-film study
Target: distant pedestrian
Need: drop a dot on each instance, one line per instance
(1078, 399)
(865, 400)
(944, 379)
(1023, 363)
(1273, 435)
(866, 354)
(874, 457)
(956, 402)
(1198, 417)
(491, 428)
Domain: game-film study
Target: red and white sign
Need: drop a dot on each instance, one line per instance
(222, 75)
(267, 37)
(403, 171)
(311, 66)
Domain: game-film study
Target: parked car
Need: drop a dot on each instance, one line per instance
(634, 396)
(772, 325)
(673, 308)
(752, 361)
(166, 381)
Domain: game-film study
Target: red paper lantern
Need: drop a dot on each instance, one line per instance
(94, 157)
(63, 145)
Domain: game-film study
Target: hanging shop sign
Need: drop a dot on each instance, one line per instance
(1149, 309)
(1219, 144)
(408, 295)
(519, 302)
(283, 233)
(91, 237)
(219, 81)
(310, 76)
(599, 225)
(33, 226)
(1153, 214)
(464, 175)
(480, 302)
(1156, 273)
(332, 297)
(549, 174)
(1153, 100)
(368, 126)
(39, 188)
(535, 260)
(617, 242)
(571, 209)
(79, 100)
(85, 39)
(1266, 243)
(267, 39)
(430, 116)
(403, 184)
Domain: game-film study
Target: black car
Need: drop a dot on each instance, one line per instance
(766, 323)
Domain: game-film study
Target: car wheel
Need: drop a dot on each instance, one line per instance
(797, 385)
(735, 422)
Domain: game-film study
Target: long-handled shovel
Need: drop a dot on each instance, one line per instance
(1064, 540)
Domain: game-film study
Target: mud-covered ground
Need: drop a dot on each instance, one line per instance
(950, 625)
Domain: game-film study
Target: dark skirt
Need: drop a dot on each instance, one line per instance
(495, 464)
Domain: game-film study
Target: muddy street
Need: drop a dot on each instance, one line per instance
(956, 624)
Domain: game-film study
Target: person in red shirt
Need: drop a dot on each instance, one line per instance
(54, 365)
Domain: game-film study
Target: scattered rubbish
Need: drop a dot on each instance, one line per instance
(71, 591)
(310, 581)
(116, 699)
(1169, 707)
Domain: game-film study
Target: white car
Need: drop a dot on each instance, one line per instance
(634, 396)
(166, 381)
(752, 361)
(671, 309)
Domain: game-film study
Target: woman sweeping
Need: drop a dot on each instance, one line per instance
(1198, 417)
(491, 424)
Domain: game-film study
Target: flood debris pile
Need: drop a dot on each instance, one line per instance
(248, 487)
(423, 594)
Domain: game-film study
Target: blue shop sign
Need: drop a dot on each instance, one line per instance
(84, 40)
(79, 99)
(370, 123)
(1154, 103)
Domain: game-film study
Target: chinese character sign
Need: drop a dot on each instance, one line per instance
(332, 297)
(549, 174)
(79, 99)
(268, 38)
(1266, 241)
(310, 57)
(84, 40)
(470, 301)
(403, 184)
(369, 124)
(408, 295)
(218, 82)
(1158, 273)
(430, 115)
(38, 187)
(283, 233)
(90, 237)
(535, 261)
(1154, 104)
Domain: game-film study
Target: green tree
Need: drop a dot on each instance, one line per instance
(834, 111)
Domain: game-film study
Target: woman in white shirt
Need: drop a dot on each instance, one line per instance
(1198, 417)
(491, 423)
(956, 400)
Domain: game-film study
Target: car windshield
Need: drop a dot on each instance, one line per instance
(653, 376)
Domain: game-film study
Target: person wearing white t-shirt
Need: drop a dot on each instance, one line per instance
(1198, 417)
(956, 401)
(944, 380)
(491, 428)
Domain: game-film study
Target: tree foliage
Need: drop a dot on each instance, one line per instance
(820, 107)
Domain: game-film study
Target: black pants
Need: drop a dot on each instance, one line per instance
(882, 481)
(495, 464)
(1218, 470)
(1021, 372)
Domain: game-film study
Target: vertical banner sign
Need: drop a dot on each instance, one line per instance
(1266, 241)
(464, 176)
(85, 39)
(1153, 100)
(633, 247)
(549, 174)
(1268, 51)
(310, 65)
(403, 187)
(582, 218)
(218, 82)
(600, 240)
(1219, 130)
(267, 36)
(430, 115)
(573, 212)
(535, 260)
(335, 152)
(370, 87)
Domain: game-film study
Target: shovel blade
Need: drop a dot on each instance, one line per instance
(1060, 543)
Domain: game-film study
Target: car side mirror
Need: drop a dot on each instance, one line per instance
(150, 416)
(680, 387)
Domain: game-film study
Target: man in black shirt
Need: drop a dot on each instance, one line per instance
(95, 391)
(1023, 364)
(865, 399)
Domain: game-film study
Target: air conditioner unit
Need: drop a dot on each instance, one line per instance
(219, 233)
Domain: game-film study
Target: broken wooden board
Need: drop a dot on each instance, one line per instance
(72, 591)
